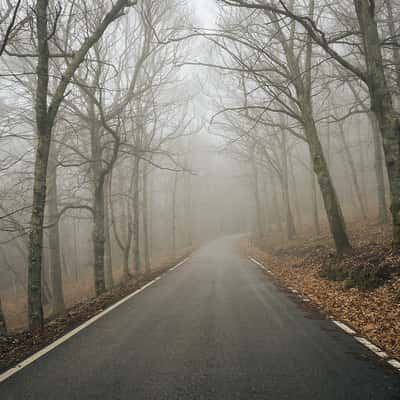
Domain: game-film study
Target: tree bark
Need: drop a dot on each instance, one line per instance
(290, 227)
(277, 211)
(353, 172)
(295, 194)
(136, 215)
(98, 233)
(35, 311)
(256, 191)
(56, 281)
(145, 217)
(379, 169)
(332, 207)
(108, 270)
(314, 203)
(173, 216)
(382, 106)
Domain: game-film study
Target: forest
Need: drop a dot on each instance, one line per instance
(134, 131)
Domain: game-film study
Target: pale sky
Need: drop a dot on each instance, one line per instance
(206, 12)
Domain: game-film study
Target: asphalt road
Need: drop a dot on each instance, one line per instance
(215, 328)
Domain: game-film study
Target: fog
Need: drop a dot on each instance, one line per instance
(176, 123)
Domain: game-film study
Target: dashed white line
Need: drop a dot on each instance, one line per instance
(258, 263)
(62, 339)
(394, 363)
(375, 349)
(178, 265)
(344, 327)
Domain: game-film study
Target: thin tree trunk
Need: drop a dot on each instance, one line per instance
(379, 170)
(314, 202)
(332, 207)
(277, 211)
(136, 215)
(57, 303)
(108, 271)
(99, 238)
(35, 308)
(353, 172)
(188, 209)
(363, 184)
(256, 191)
(145, 216)
(173, 224)
(295, 194)
(98, 233)
(290, 227)
(267, 215)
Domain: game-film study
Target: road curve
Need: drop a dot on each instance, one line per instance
(215, 328)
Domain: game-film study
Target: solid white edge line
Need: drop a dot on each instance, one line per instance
(179, 264)
(344, 327)
(375, 349)
(394, 363)
(258, 263)
(5, 375)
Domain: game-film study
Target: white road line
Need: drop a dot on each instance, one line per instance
(343, 326)
(178, 265)
(258, 263)
(394, 363)
(67, 336)
(375, 349)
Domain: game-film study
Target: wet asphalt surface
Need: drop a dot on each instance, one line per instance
(215, 328)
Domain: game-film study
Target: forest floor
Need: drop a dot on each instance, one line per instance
(23, 343)
(300, 264)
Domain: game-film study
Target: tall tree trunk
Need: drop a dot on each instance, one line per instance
(57, 303)
(43, 125)
(267, 214)
(379, 170)
(98, 233)
(256, 191)
(363, 184)
(173, 216)
(382, 106)
(395, 49)
(353, 172)
(145, 216)
(108, 271)
(332, 207)
(188, 209)
(314, 203)
(275, 202)
(295, 194)
(290, 227)
(136, 215)
(99, 238)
